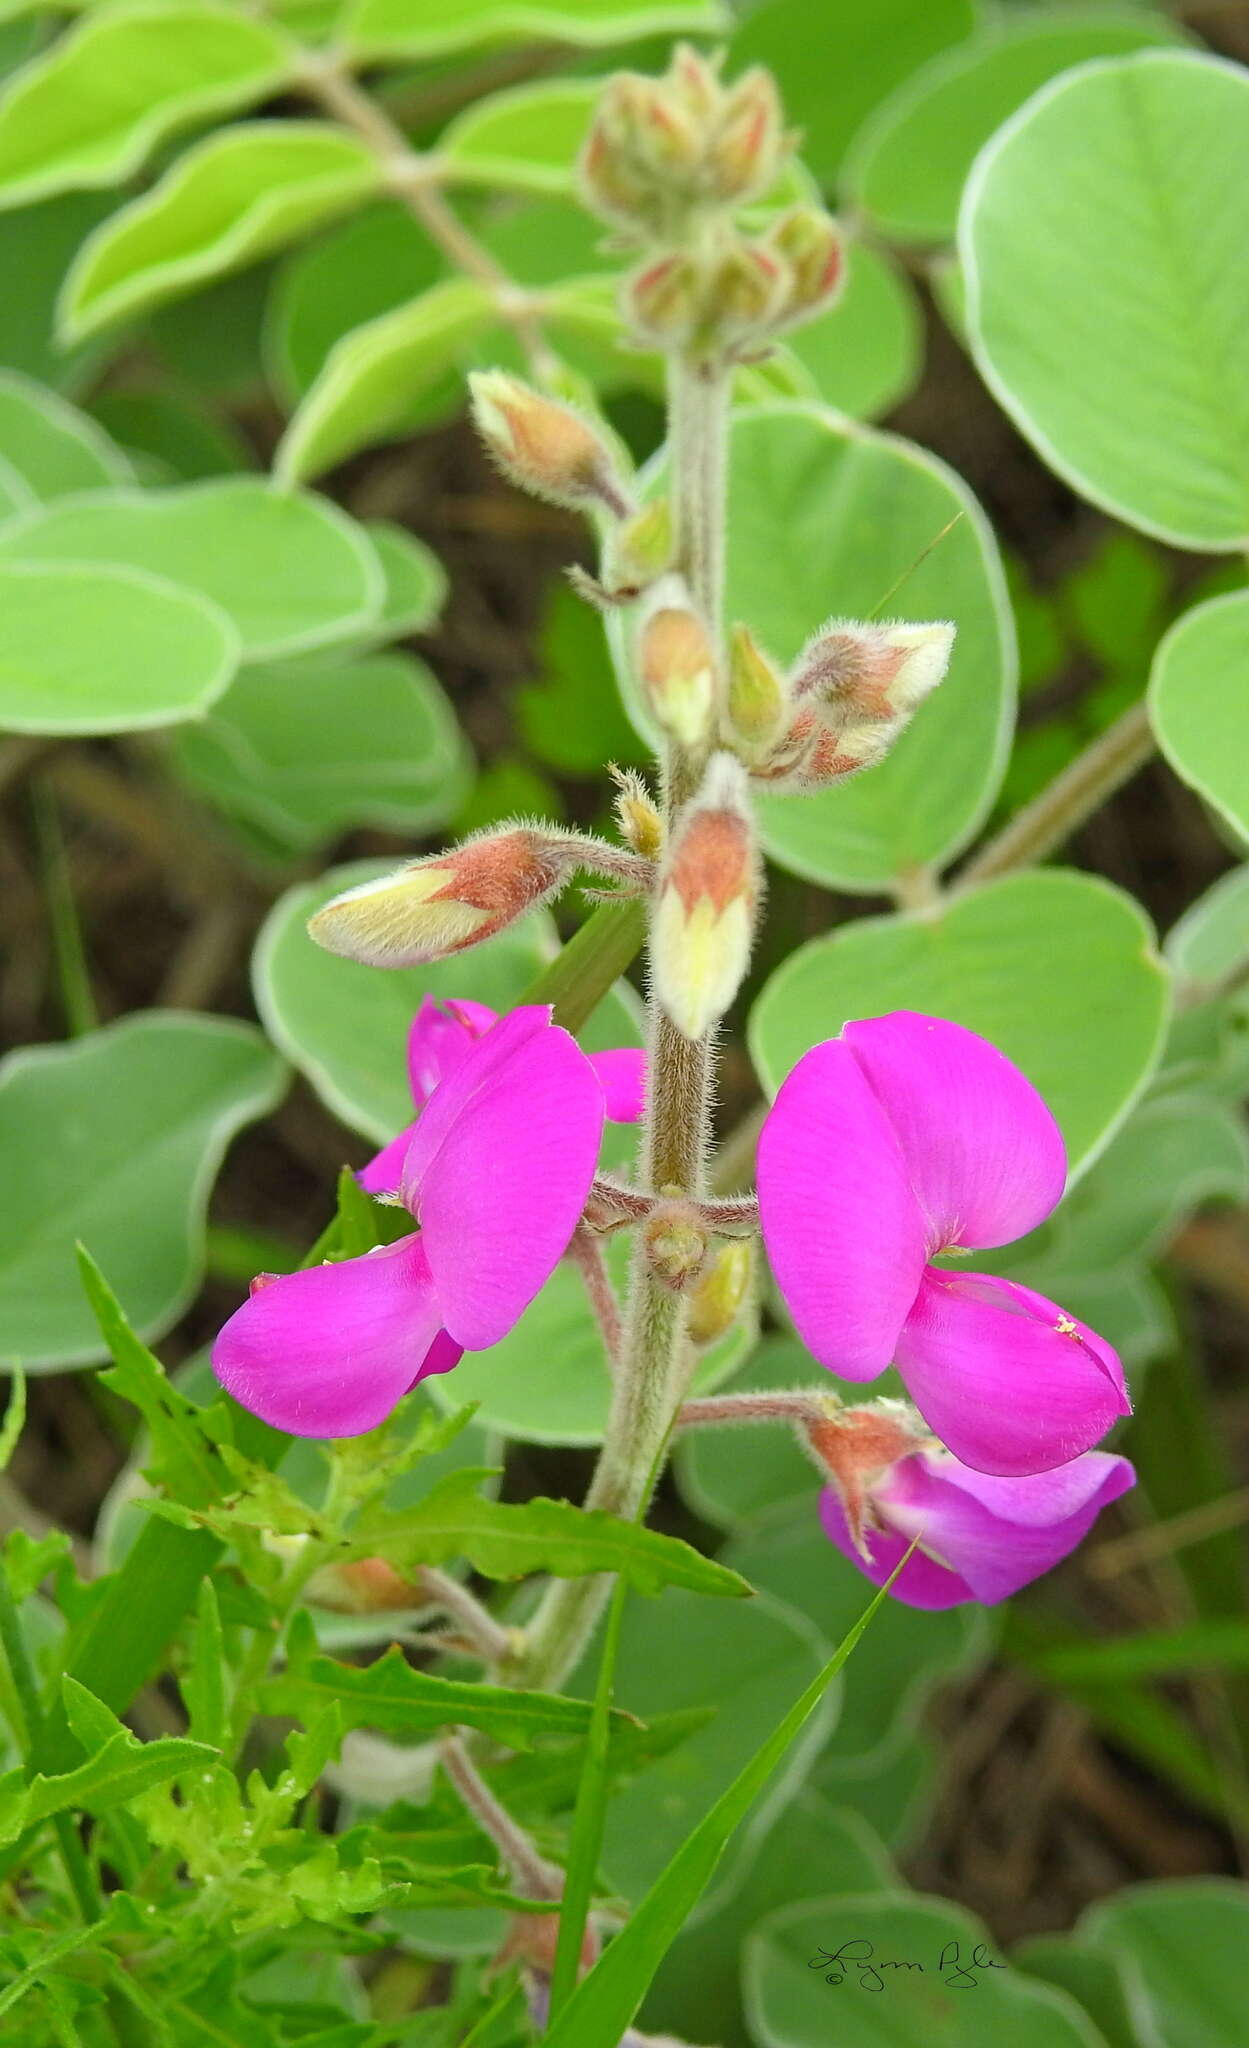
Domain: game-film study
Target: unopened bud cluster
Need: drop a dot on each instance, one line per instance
(852, 691)
(671, 161)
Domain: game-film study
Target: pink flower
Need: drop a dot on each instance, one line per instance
(902, 1139)
(440, 1038)
(980, 1538)
(496, 1172)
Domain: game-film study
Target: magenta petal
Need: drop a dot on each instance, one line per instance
(1005, 1378)
(328, 1352)
(440, 1036)
(844, 1233)
(985, 1156)
(503, 1192)
(474, 1073)
(622, 1077)
(999, 1534)
(384, 1173)
(922, 1583)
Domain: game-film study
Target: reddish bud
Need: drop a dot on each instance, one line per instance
(749, 144)
(809, 243)
(664, 300)
(544, 446)
(677, 668)
(873, 672)
(367, 1586)
(854, 1447)
(744, 292)
(448, 902)
(708, 891)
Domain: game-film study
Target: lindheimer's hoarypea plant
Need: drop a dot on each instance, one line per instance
(333, 1738)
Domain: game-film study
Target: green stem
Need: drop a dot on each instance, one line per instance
(74, 976)
(655, 1365)
(1083, 786)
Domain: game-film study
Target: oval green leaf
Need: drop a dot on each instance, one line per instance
(867, 353)
(436, 28)
(230, 199)
(379, 259)
(1212, 938)
(416, 582)
(908, 166)
(106, 650)
(54, 448)
(115, 1140)
(526, 140)
(377, 378)
(1181, 1948)
(859, 511)
(1038, 963)
(92, 109)
(289, 570)
(1198, 689)
(308, 750)
(1102, 237)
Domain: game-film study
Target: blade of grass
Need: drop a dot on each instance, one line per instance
(605, 2002)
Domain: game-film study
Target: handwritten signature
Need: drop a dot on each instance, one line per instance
(858, 1961)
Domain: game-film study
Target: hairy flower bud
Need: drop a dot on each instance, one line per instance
(366, 1586)
(641, 548)
(745, 293)
(721, 1291)
(708, 890)
(854, 1446)
(757, 692)
(749, 145)
(447, 902)
(677, 668)
(873, 672)
(664, 300)
(676, 1244)
(809, 244)
(543, 445)
(637, 814)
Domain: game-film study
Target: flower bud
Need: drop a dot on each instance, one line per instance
(744, 293)
(705, 913)
(664, 300)
(637, 815)
(692, 82)
(447, 902)
(855, 1447)
(675, 1239)
(757, 692)
(367, 1586)
(677, 668)
(720, 1293)
(750, 143)
(544, 446)
(809, 244)
(641, 548)
(873, 672)
(612, 183)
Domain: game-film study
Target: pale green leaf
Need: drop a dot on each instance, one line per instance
(51, 446)
(115, 1139)
(306, 750)
(1212, 937)
(232, 198)
(866, 355)
(1102, 235)
(91, 110)
(907, 168)
(416, 582)
(1181, 1947)
(379, 259)
(1198, 690)
(941, 1978)
(835, 66)
(96, 650)
(1037, 963)
(376, 378)
(289, 570)
(525, 140)
(435, 28)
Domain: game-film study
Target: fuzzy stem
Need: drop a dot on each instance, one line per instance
(656, 1360)
(325, 80)
(785, 1405)
(493, 1643)
(531, 1873)
(586, 1253)
(1084, 785)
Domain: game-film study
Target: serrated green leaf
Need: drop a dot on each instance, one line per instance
(507, 1540)
(1107, 301)
(308, 750)
(235, 197)
(91, 110)
(391, 1694)
(202, 1685)
(288, 570)
(1197, 693)
(100, 650)
(152, 1103)
(435, 28)
(376, 378)
(119, 1771)
(1035, 962)
(907, 168)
